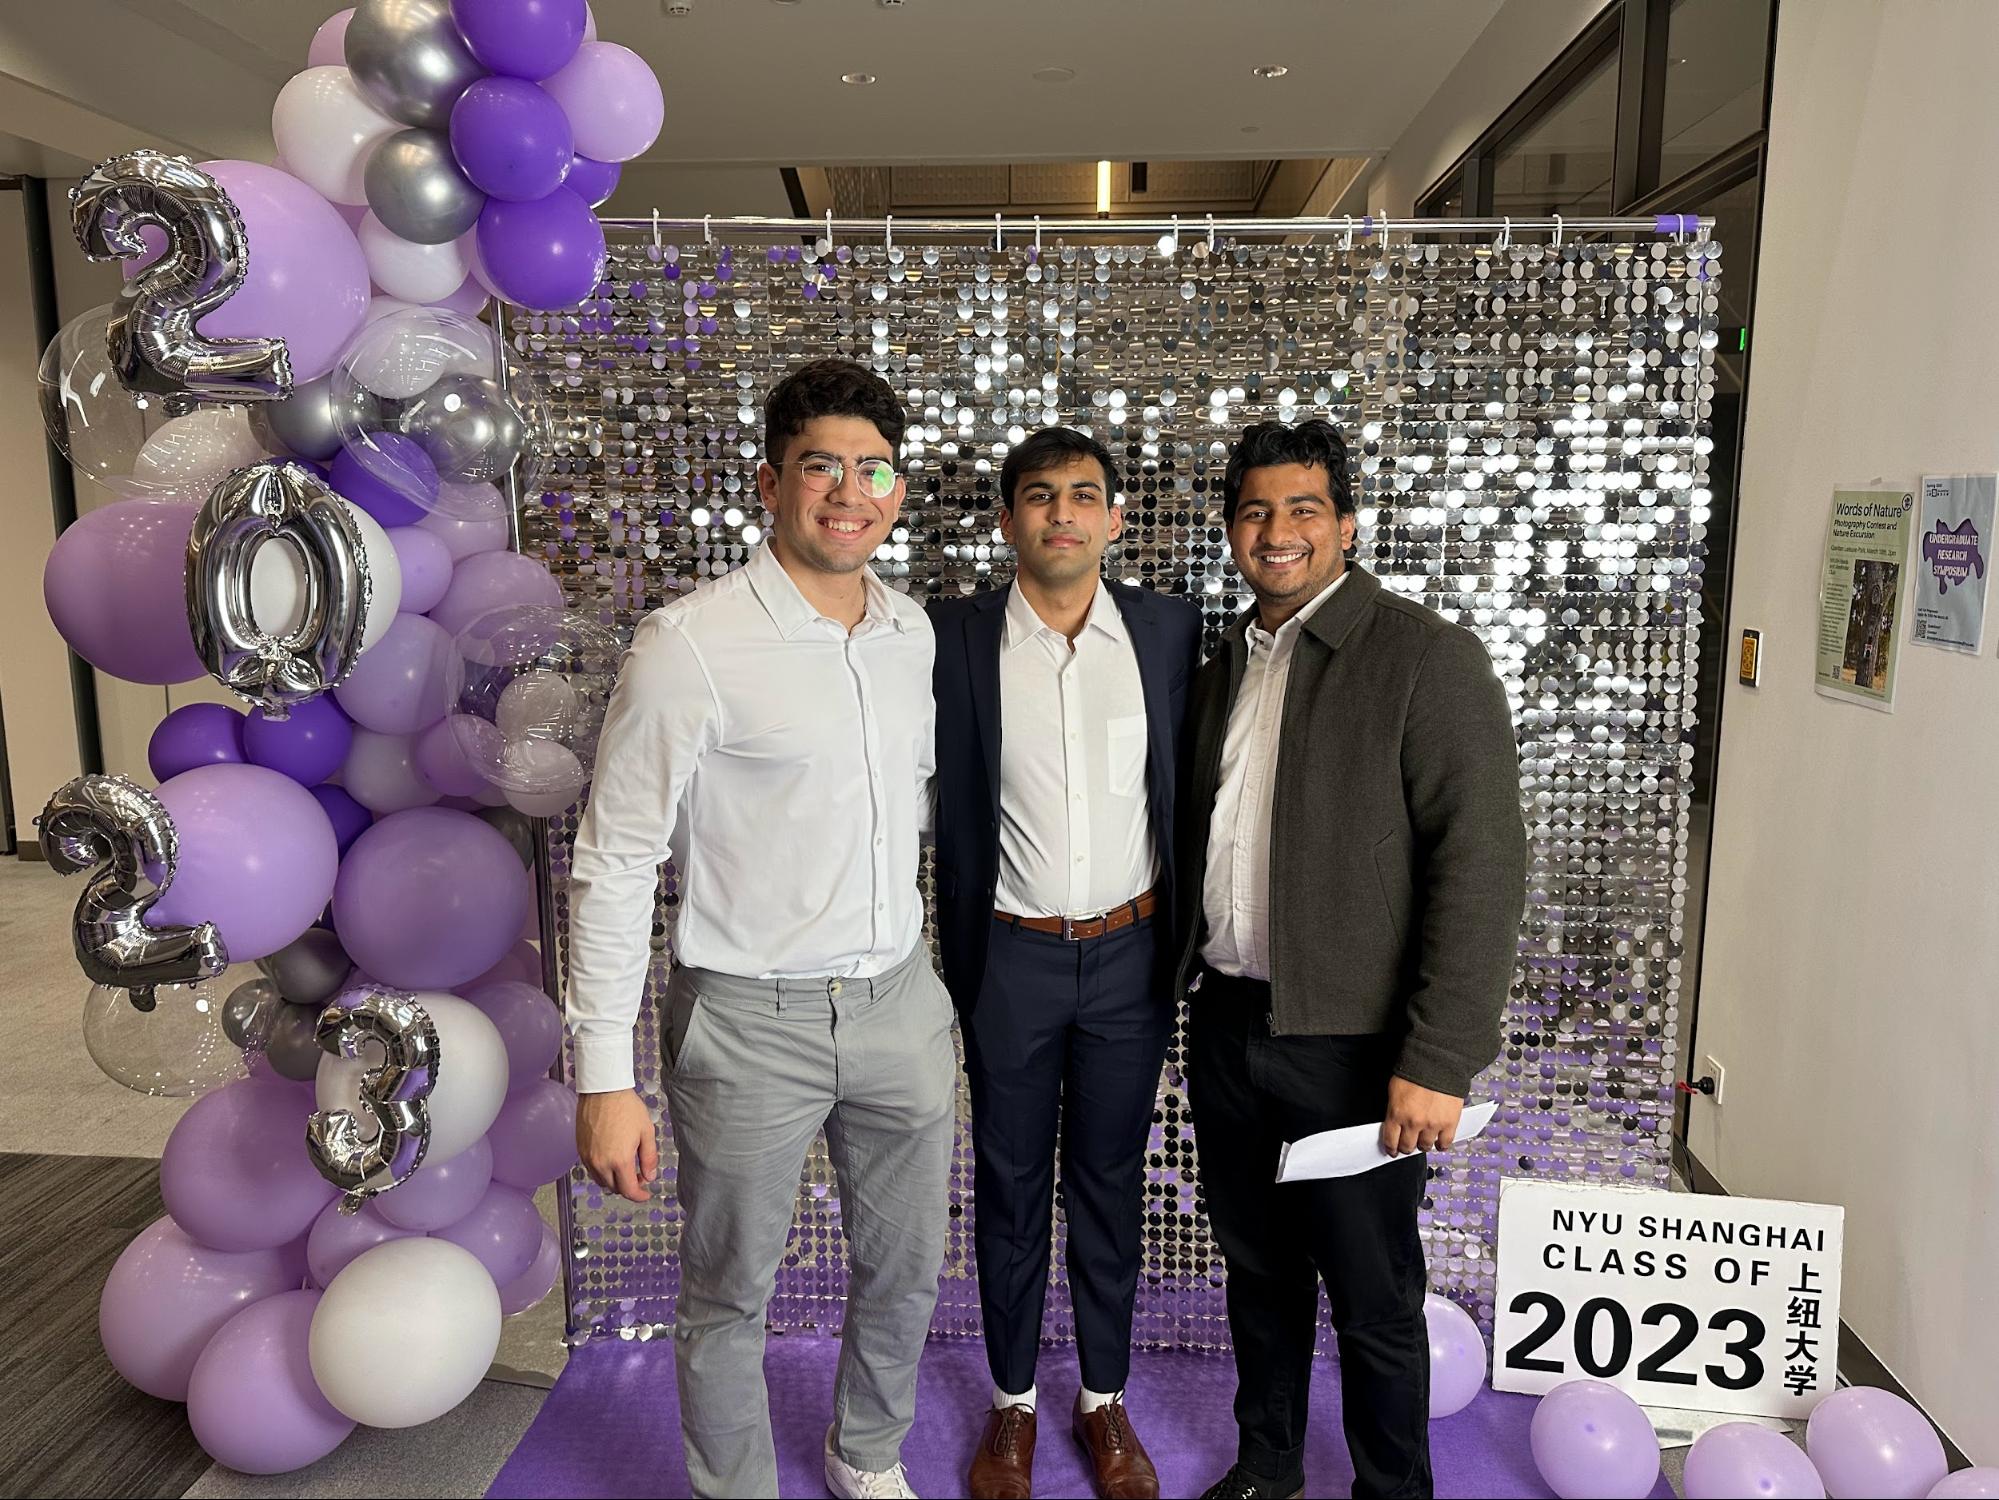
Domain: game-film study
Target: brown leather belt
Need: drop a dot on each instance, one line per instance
(1075, 929)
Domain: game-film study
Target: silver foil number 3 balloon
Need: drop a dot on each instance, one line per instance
(367, 1154)
(153, 343)
(123, 835)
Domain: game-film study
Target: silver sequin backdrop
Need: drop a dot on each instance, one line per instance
(1529, 426)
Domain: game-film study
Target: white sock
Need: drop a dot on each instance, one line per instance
(1001, 1399)
(1093, 1400)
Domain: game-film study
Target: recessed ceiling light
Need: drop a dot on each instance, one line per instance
(1251, 129)
(859, 78)
(1053, 75)
(1270, 70)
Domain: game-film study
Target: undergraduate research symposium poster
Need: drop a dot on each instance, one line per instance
(1863, 594)
(1949, 577)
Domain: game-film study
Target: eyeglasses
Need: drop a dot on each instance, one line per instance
(823, 475)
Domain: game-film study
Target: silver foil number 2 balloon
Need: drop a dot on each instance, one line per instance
(125, 837)
(368, 1154)
(152, 340)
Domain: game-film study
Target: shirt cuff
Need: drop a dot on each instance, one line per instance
(604, 1063)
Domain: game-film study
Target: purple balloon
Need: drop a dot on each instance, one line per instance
(257, 857)
(399, 685)
(115, 585)
(507, 969)
(349, 818)
(538, 1280)
(338, 1238)
(235, 1174)
(439, 1193)
(534, 1138)
(545, 254)
(329, 43)
(1965, 1484)
(308, 745)
(1740, 1458)
(252, 1401)
(425, 563)
(591, 180)
(493, 580)
(521, 38)
(168, 1295)
(1590, 1439)
(390, 477)
(440, 753)
(503, 1229)
(429, 898)
(511, 139)
(1457, 1356)
(612, 98)
(463, 539)
(470, 298)
(1867, 1441)
(195, 734)
(528, 1023)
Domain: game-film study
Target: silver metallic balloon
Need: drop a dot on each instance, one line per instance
(125, 837)
(515, 825)
(249, 1013)
(469, 426)
(305, 422)
(409, 59)
(293, 1042)
(310, 969)
(152, 340)
(416, 189)
(359, 1160)
(252, 508)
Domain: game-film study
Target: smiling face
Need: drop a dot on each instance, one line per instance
(835, 532)
(1060, 522)
(1289, 538)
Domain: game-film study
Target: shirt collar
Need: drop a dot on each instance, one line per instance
(790, 611)
(1261, 639)
(1023, 624)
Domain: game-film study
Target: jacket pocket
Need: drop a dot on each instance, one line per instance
(1394, 880)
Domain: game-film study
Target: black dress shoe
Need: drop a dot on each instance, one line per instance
(1246, 1484)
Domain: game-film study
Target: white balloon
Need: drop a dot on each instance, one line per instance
(277, 582)
(326, 130)
(380, 773)
(190, 453)
(405, 269)
(536, 705)
(471, 1072)
(381, 307)
(405, 1332)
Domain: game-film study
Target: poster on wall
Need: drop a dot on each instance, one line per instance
(1950, 573)
(1862, 594)
(1708, 1303)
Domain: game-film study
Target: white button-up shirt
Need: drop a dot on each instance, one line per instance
(1235, 888)
(1075, 837)
(781, 762)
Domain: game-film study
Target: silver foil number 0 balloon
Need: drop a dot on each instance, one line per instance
(152, 340)
(246, 511)
(364, 1157)
(123, 835)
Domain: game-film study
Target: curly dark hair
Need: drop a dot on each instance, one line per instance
(1317, 444)
(830, 388)
(1053, 448)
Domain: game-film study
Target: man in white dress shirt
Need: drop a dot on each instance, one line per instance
(771, 733)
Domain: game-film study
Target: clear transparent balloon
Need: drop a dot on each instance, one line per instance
(428, 402)
(529, 685)
(176, 1050)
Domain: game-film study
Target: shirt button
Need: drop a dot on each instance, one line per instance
(1079, 859)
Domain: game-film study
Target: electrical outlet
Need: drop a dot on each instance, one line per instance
(1712, 1069)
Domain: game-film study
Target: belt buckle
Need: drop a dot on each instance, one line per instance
(1068, 929)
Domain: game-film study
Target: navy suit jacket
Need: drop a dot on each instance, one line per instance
(1166, 638)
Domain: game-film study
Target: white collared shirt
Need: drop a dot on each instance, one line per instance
(1235, 888)
(782, 764)
(1075, 835)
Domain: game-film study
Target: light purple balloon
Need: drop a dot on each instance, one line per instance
(1741, 1459)
(612, 98)
(115, 585)
(507, 969)
(528, 1023)
(1865, 1441)
(338, 1238)
(470, 298)
(1965, 1484)
(168, 1295)
(235, 1174)
(465, 539)
(441, 757)
(521, 38)
(1590, 1439)
(538, 1280)
(430, 898)
(490, 580)
(329, 43)
(381, 774)
(1457, 1356)
(309, 744)
(252, 1402)
(534, 1139)
(195, 734)
(503, 1230)
(425, 563)
(257, 857)
(439, 1193)
(399, 684)
(511, 139)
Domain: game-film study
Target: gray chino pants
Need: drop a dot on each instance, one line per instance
(755, 1067)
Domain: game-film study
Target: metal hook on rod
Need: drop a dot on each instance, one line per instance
(707, 229)
(1211, 234)
(1506, 233)
(655, 229)
(1558, 232)
(888, 232)
(999, 235)
(1037, 236)
(1346, 239)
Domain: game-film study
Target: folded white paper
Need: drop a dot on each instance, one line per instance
(1356, 1149)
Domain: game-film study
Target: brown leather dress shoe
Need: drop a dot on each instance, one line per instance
(1117, 1457)
(1003, 1468)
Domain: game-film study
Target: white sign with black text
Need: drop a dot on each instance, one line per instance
(1708, 1302)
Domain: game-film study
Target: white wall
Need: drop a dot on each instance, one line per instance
(1853, 915)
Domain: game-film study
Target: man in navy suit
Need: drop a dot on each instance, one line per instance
(1060, 702)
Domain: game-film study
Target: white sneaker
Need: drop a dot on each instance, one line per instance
(862, 1484)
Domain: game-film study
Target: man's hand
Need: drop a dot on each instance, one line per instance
(614, 1136)
(1419, 1119)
